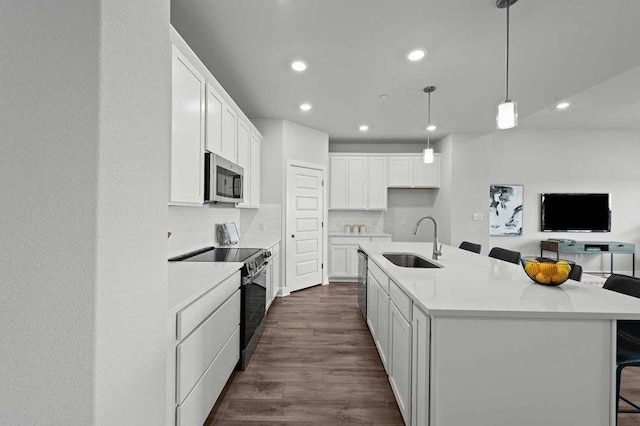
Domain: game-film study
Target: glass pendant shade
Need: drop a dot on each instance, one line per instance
(428, 155)
(507, 115)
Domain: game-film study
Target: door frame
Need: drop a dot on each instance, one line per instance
(284, 290)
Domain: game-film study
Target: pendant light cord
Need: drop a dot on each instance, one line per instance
(428, 120)
(507, 62)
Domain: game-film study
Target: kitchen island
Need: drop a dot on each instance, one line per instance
(477, 342)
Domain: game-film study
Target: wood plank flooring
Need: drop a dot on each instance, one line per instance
(317, 364)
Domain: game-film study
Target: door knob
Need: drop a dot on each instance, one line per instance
(293, 235)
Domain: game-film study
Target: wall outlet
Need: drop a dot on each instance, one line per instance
(403, 222)
(262, 226)
(478, 217)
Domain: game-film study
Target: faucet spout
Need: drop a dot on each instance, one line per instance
(436, 245)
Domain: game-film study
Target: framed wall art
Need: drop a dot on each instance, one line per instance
(505, 209)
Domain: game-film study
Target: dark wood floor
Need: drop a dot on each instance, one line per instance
(317, 363)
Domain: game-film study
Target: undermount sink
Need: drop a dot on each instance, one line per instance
(410, 260)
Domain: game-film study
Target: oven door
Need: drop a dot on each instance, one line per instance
(226, 181)
(253, 303)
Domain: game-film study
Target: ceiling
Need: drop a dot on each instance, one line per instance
(356, 52)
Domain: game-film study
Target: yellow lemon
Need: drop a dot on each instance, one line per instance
(548, 269)
(564, 267)
(542, 278)
(560, 277)
(532, 268)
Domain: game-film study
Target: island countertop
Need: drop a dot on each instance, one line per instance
(470, 284)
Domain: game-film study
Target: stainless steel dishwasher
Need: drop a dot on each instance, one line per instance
(362, 282)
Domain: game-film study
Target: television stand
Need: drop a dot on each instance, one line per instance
(589, 247)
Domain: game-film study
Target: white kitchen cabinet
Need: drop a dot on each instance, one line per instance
(244, 161)
(411, 172)
(421, 348)
(338, 192)
(273, 275)
(372, 305)
(228, 147)
(400, 360)
(382, 337)
(254, 175)
(339, 260)
(214, 121)
(187, 131)
(377, 183)
(358, 183)
(343, 254)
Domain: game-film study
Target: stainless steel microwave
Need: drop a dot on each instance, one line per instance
(223, 180)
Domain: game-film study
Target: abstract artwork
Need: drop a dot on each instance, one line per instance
(505, 209)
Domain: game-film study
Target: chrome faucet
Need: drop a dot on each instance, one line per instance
(436, 246)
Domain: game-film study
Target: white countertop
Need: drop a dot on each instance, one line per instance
(367, 234)
(190, 280)
(476, 285)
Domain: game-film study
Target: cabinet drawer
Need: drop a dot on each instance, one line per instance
(196, 352)
(401, 300)
(379, 275)
(195, 409)
(199, 309)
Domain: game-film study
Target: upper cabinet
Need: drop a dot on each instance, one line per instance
(358, 183)
(187, 131)
(217, 125)
(411, 172)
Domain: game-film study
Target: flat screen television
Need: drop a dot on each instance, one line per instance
(576, 213)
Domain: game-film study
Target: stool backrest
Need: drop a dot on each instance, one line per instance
(506, 255)
(466, 245)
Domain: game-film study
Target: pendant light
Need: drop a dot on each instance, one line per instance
(428, 151)
(508, 110)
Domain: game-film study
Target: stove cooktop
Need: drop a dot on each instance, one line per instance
(220, 254)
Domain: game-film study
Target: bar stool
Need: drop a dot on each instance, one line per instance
(472, 247)
(506, 255)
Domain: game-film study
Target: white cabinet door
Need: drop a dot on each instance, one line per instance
(269, 292)
(340, 258)
(255, 172)
(372, 304)
(377, 183)
(400, 361)
(427, 175)
(214, 121)
(229, 133)
(401, 171)
(187, 131)
(382, 335)
(421, 347)
(357, 183)
(244, 161)
(275, 262)
(338, 193)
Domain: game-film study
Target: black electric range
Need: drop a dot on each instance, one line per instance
(253, 290)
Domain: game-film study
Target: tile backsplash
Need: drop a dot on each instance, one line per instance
(195, 227)
(373, 220)
(264, 222)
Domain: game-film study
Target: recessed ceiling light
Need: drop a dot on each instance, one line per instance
(305, 107)
(431, 128)
(363, 128)
(299, 65)
(563, 105)
(416, 54)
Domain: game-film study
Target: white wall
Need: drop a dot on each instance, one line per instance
(84, 219)
(264, 223)
(405, 207)
(193, 228)
(550, 161)
(376, 146)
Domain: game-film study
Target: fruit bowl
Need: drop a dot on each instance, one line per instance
(546, 271)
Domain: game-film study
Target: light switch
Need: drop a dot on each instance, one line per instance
(403, 222)
(478, 217)
(262, 226)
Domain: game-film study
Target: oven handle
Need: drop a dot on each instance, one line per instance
(255, 274)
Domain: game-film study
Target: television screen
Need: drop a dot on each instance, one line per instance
(576, 212)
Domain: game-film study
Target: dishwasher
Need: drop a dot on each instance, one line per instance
(362, 282)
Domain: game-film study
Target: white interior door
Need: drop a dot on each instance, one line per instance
(305, 206)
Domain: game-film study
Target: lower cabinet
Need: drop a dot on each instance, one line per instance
(273, 275)
(400, 361)
(372, 305)
(343, 254)
(382, 339)
(420, 355)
